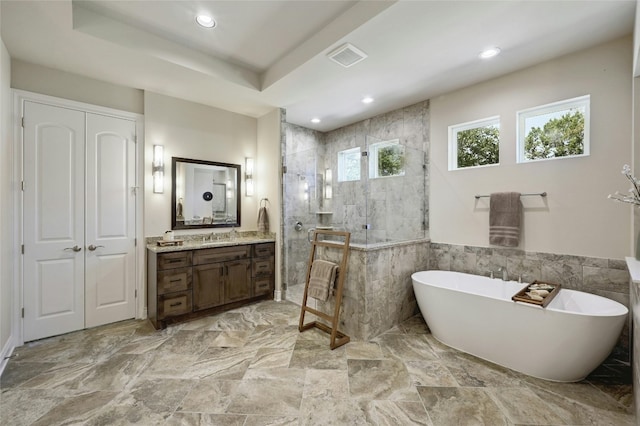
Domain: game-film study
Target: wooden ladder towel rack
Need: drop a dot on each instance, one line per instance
(337, 337)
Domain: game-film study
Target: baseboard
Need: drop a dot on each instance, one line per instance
(7, 350)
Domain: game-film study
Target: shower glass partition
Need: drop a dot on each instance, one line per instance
(376, 190)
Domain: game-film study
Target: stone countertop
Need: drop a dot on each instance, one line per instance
(195, 244)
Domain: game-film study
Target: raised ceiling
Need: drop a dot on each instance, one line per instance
(266, 54)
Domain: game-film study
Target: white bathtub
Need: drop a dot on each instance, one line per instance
(563, 342)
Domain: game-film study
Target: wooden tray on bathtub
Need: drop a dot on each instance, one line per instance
(521, 296)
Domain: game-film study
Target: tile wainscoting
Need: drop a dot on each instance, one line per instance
(378, 292)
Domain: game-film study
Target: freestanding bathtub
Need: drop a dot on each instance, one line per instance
(563, 342)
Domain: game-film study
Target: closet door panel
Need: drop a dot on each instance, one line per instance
(53, 220)
(110, 223)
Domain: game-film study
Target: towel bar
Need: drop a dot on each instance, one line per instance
(541, 194)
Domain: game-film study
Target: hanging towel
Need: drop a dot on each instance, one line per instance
(263, 220)
(504, 219)
(321, 279)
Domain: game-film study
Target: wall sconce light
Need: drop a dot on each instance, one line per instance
(248, 176)
(158, 169)
(305, 194)
(328, 177)
(229, 189)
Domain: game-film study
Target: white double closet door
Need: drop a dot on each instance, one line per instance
(79, 220)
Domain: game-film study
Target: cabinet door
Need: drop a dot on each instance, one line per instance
(208, 286)
(238, 280)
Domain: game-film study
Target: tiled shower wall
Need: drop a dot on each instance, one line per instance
(396, 208)
(604, 277)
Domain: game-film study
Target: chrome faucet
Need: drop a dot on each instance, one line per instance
(502, 271)
(232, 234)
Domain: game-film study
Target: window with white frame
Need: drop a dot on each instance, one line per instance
(386, 159)
(349, 165)
(556, 130)
(475, 143)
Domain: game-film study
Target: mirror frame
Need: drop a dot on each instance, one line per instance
(174, 223)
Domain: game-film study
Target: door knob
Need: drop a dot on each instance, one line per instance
(92, 247)
(74, 248)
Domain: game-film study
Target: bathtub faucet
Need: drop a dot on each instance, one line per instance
(502, 271)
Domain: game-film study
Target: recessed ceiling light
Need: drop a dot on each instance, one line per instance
(490, 52)
(205, 21)
(315, 120)
(367, 100)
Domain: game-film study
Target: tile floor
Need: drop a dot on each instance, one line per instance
(251, 366)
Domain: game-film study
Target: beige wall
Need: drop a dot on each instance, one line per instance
(7, 254)
(576, 218)
(268, 176)
(52, 82)
(197, 131)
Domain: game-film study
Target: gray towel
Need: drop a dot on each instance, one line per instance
(504, 219)
(263, 220)
(321, 279)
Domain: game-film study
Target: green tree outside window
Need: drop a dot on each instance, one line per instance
(478, 146)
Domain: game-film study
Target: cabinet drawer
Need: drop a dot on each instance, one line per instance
(263, 266)
(222, 254)
(262, 286)
(173, 280)
(174, 304)
(263, 250)
(178, 259)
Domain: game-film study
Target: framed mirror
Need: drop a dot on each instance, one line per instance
(204, 194)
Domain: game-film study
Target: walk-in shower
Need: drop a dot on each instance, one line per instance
(370, 179)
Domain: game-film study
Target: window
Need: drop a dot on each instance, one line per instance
(473, 144)
(349, 165)
(386, 159)
(556, 130)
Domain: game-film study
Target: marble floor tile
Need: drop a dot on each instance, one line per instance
(263, 396)
(60, 376)
(271, 421)
(326, 384)
(430, 373)
(415, 325)
(77, 409)
(311, 354)
(523, 406)
(209, 396)
(380, 379)
(222, 363)
(363, 350)
(231, 339)
(406, 347)
(169, 365)
(271, 358)
(461, 406)
(406, 413)
(19, 372)
(251, 367)
(158, 395)
(336, 412)
(189, 342)
(21, 407)
(204, 419)
(280, 336)
(475, 372)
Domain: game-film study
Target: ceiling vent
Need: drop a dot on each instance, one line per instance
(347, 55)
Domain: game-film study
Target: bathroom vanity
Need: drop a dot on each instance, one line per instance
(198, 279)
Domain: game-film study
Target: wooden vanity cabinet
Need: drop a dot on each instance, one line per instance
(263, 271)
(171, 293)
(191, 283)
